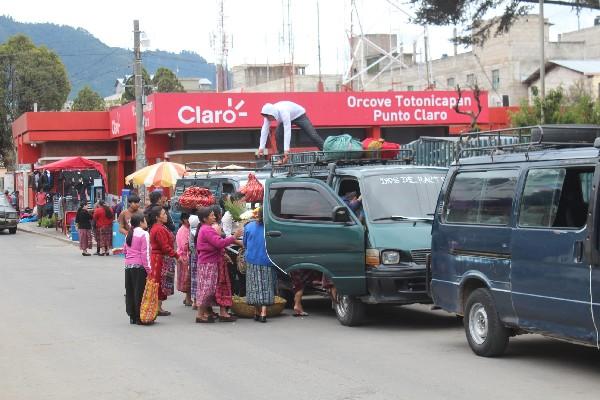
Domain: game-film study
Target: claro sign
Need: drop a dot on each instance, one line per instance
(193, 111)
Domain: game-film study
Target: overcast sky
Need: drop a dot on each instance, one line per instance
(255, 27)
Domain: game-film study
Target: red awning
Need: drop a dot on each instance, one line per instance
(75, 164)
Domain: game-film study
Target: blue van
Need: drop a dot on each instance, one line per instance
(515, 245)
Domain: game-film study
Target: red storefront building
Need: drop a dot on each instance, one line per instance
(184, 127)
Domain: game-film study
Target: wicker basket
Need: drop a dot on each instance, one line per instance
(243, 310)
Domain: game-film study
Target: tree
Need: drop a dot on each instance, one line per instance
(28, 75)
(129, 94)
(471, 14)
(88, 100)
(559, 108)
(165, 81)
(474, 115)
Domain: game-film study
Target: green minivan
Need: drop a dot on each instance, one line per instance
(375, 254)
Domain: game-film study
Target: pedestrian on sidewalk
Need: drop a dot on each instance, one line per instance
(183, 263)
(162, 242)
(83, 222)
(133, 205)
(210, 247)
(260, 274)
(194, 222)
(157, 198)
(286, 113)
(103, 218)
(223, 295)
(137, 265)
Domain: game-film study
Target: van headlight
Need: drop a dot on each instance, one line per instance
(390, 257)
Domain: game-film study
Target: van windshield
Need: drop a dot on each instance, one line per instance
(402, 196)
(183, 184)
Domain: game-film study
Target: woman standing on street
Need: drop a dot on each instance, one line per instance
(210, 247)
(137, 265)
(260, 274)
(162, 242)
(183, 264)
(103, 217)
(194, 222)
(83, 220)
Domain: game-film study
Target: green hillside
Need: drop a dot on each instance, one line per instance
(91, 62)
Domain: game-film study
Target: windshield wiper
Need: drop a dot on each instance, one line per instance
(403, 218)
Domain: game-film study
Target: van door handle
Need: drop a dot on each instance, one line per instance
(273, 234)
(578, 250)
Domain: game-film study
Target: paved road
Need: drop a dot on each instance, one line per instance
(64, 335)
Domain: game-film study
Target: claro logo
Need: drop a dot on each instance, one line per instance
(198, 115)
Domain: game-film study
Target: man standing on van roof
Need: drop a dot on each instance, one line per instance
(286, 113)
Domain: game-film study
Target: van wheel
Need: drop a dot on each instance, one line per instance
(349, 310)
(12, 231)
(485, 333)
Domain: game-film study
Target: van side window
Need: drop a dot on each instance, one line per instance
(481, 197)
(300, 204)
(556, 198)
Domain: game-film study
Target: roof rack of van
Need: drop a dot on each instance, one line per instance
(320, 161)
(525, 139)
(226, 167)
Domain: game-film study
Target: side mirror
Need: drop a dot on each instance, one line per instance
(341, 214)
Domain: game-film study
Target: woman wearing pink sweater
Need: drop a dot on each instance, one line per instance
(137, 265)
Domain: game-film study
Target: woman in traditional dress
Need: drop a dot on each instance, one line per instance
(223, 295)
(183, 264)
(163, 257)
(260, 273)
(194, 222)
(103, 217)
(210, 248)
(137, 265)
(83, 219)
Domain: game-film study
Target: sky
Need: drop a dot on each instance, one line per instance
(255, 28)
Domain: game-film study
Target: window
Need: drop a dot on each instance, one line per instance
(482, 197)
(470, 79)
(410, 88)
(451, 83)
(300, 204)
(556, 198)
(495, 78)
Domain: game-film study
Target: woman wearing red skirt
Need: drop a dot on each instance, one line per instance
(162, 242)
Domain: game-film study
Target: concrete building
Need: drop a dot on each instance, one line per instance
(501, 66)
(196, 85)
(248, 76)
(585, 74)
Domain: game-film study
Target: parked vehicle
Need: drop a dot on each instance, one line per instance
(515, 245)
(374, 255)
(9, 218)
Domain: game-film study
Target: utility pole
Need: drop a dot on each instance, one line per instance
(320, 84)
(542, 62)
(140, 148)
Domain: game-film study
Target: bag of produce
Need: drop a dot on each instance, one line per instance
(337, 147)
(196, 197)
(253, 190)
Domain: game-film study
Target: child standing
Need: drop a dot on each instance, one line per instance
(137, 265)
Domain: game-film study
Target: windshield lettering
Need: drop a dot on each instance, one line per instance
(417, 179)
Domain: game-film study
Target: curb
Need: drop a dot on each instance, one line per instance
(21, 228)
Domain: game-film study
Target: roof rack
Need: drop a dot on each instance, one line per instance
(226, 167)
(320, 161)
(525, 139)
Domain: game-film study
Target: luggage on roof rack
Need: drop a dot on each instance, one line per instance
(568, 133)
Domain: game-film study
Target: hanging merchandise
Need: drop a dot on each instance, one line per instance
(253, 190)
(196, 197)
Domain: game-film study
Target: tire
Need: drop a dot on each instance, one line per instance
(349, 310)
(485, 333)
(12, 231)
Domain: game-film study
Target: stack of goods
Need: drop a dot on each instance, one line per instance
(342, 147)
(380, 148)
(196, 197)
(254, 190)
(243, 310)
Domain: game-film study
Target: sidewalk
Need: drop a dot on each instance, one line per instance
(32, 227)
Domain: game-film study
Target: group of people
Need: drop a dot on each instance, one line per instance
(96, 223)
(193, 260)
